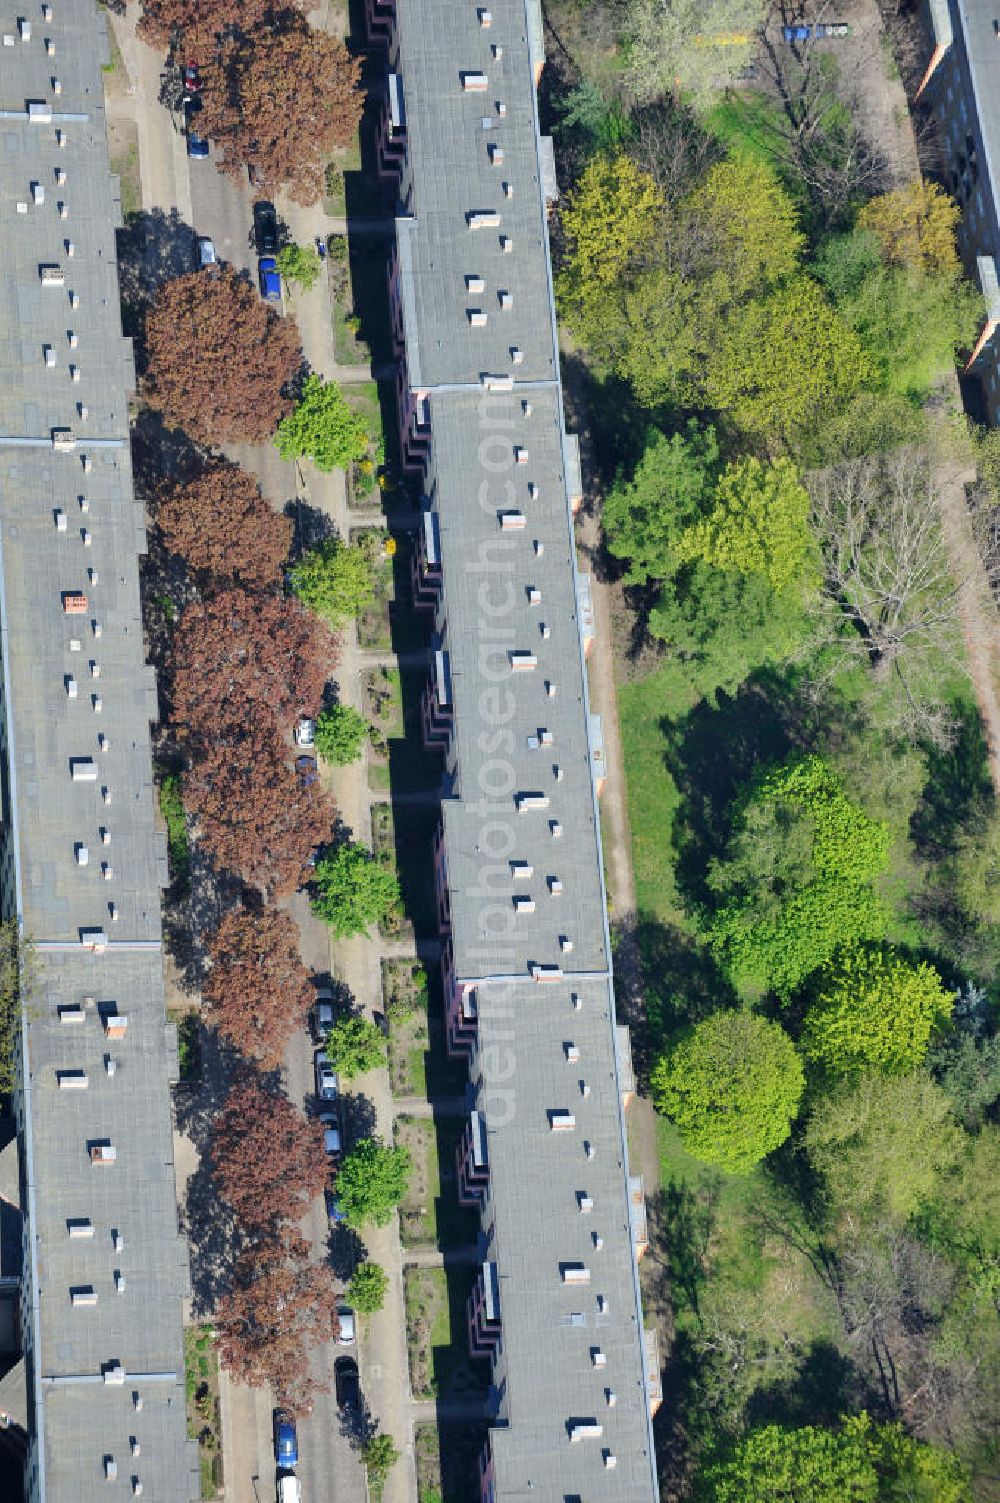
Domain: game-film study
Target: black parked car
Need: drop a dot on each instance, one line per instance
(265, 228)
(345, 1371)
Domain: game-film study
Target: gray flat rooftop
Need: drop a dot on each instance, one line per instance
(978, 20)
(82, 853)
(525, 880)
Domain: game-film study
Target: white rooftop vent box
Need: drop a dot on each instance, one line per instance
(24, 27)
(610, 1459)
(526, 407)
(475, 284)
(477, 318)
(50, 355)
(550, 689)
(545, 736)
(506, 242)
(541, 971)
(115, 1024)
(71, 687)
(534, 595)
(524, 904)
(85, 1295)
(521, 870)
(508, 190)
(585, 1429)
(475, 83)
(555, 829)
(51, 276)
(72, 1014)
(497, 50)
(545, 630)
(571, 1051)
(574, 1273)
(533, 490)
(521, 455)
(496, 383)
(46, 13)
(561, 1120)
(483, 219)
(512, 521)
(39, 112)
(74, 603)
(501, 109)
(555, 887)
(522, 661)
(119, 1281)
(94, 939)
(495, 153)
(80, 1226)
(485, 17)
(110, 1467)
(83, 769)
(597, 1357)
(103, 1153)
(72, 1080)
(565, 943)
(38, 193)
(585, 1202)
(506, 300)
(63, 439)
(523, 802)
(114, 1372)
(82, 854)
(60, 520)
(50, 47)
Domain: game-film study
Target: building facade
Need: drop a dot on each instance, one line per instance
(555, 1309)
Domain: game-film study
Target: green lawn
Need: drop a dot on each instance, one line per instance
(430, 1215)
(436, 1340)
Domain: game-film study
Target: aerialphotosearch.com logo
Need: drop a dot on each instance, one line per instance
(493, 799)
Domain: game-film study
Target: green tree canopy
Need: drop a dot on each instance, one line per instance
(336, 580)
(341, 732)
(682, 46)
(381, 1454)
(733, 1086)
(371, 1181)
(883, 1142)
(354, 890)
(857, 1463)
(367, 1288)
(299, 264)
(874, 1010)
(797, 877)
(782, 360)
(322, 427)
(354, 1046)
(758, 524)
(915, 226)
(744, 228)
(644, 516)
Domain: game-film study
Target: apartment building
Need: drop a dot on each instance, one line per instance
(81, 866)
(556, 1309)
(962, 86)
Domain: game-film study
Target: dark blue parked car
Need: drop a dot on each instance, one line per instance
(197, 148)
(270, 281)
(286, 1443)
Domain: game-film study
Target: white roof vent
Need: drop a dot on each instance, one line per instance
(561, 1120)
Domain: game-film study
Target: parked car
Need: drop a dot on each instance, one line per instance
(255, 176)
(333, 1138)
(348, 1384)
(307, 770)
(322, 1014)
(381, 1023)
(345, 1319)
(289, 1489)
(327, 1081)
(286, 1442)
(197, 147)
(305, 733)
(206, 252)
(265, 228)
(334, 1210)
(192, 78)
(270, 281)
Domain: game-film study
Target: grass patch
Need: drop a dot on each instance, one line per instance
(404, 837)
(201, 1384)
(436, 1340)
(391, 622)
(399, 758)
(419, 1063)
(178, 844)
(188, 1025)
(430, 1215)
(446, 1460)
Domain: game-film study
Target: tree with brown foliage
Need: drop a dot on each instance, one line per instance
(197, 24)
(224, 530)
(280, 1305)
(255, 815)
(257, 992)
(245, 662)
(219, 358)
(282, 101)
(267, 1157)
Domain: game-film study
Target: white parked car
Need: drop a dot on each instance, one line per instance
(345, 1319)
(327, 1081)
(305, 732)
(206, 252)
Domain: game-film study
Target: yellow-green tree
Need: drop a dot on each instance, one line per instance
(743, 229)
(610, 222)
(874, 1010)
(783, 361)
(759, 524)
(915, 226)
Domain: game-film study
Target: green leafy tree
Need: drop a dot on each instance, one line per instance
(336, 580)
(682, 46)
(381, 1455)
(744, 228)
(354, 890)
(322, 427)
(355, 1046)
(758, 524)
(797, 878)
(883, 1142)
(915, 226)
(371, 1181)
(367, 1289)
(733, 1086)
(609, 221)
(874, 1010)
(857, 1463)
(17, 978)
(299, 264)
(782, 360)
(341, 732)
(644, 516)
